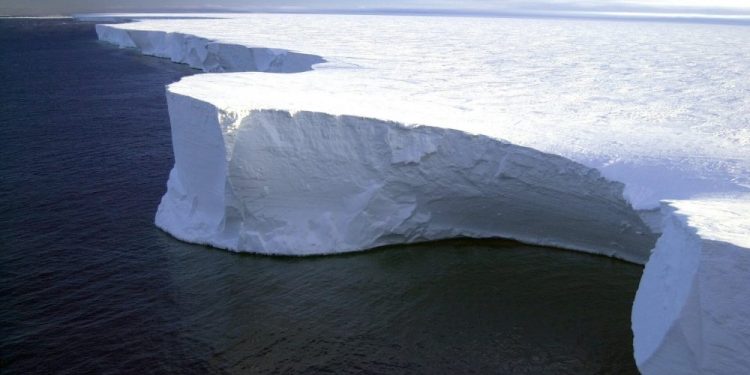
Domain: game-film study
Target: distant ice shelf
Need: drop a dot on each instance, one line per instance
(404, 129)
(209, 56)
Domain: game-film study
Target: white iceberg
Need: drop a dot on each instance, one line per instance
(329, 159)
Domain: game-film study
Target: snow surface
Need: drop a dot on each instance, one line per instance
(663, 108)
(660, 107)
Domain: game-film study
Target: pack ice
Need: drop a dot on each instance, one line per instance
(403, 129)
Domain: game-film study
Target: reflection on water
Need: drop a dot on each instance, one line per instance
(455, 306)
(89, 285)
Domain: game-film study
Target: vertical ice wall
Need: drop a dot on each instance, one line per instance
(209, 56)
(692, 311)
(273, 181)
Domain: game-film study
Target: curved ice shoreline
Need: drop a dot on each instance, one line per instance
(671, 330)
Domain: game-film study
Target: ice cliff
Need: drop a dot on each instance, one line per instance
(692, 310)
(204, 54)
(281, 182)
(330, 160)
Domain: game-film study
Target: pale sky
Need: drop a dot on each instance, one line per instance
(49, 7)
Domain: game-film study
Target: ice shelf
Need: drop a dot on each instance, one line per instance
(402, 129)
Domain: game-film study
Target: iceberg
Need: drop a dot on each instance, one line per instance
(403, 129)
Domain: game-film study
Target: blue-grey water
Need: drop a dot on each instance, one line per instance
(89, 285)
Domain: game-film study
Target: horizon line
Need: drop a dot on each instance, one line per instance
(660, 16)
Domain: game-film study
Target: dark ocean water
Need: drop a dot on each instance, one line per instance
(89, 285)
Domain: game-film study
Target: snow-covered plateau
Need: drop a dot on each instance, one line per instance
(395, 129)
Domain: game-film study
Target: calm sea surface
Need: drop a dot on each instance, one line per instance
(89, 285)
